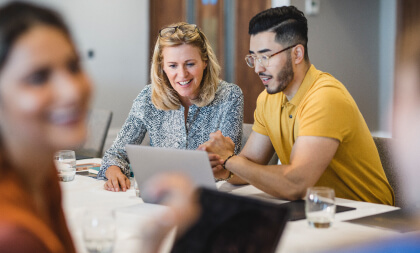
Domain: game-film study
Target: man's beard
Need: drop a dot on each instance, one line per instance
(284, 77)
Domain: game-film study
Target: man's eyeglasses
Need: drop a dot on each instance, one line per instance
(263, 59)
(168, 31)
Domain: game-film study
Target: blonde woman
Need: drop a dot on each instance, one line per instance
(184, 104)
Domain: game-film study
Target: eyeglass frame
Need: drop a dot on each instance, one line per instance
(176, 28)
(258, 58)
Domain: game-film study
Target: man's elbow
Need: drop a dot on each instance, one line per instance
(294, 192)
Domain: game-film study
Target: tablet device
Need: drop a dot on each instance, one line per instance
(147, 161)
(232, 223)
(297, 209)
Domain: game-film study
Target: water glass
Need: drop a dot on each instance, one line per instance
(99, 231)
(320, 207)
(65, 161)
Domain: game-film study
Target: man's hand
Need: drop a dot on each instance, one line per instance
(216, 165)
(219, 148)
(116, 179)
(219, 145)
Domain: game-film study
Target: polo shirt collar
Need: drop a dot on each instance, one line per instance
(306, 84)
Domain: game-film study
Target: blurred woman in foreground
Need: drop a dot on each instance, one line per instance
(44, 97)
(406, 120)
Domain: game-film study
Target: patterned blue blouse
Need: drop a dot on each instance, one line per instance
(168, 128)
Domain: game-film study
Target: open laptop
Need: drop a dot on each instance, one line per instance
(148, 161)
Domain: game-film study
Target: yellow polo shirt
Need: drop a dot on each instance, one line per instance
(323, 107)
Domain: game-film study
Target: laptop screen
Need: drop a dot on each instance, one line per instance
(148, 161)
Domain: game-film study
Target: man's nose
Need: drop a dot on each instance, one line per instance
(258, 67)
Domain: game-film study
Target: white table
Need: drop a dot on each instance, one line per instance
(133, 215)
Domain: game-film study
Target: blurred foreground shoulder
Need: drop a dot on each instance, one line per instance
(14, 239)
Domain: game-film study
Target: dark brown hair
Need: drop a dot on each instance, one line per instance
(16, 18)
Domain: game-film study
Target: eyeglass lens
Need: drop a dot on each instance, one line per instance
(250, 60)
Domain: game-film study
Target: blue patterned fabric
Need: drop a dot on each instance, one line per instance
(168, 128)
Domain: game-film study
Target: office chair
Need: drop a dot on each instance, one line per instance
(391, 171)
(98, 125)
(246, 131)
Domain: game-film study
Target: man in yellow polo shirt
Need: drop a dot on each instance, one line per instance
(304, 115)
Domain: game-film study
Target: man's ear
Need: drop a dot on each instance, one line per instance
(299, 54)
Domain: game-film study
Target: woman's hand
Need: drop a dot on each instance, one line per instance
(116, 180)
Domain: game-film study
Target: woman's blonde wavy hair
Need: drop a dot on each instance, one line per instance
(164, 97)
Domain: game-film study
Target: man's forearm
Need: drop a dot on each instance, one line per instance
(268, 178)
(236, 180)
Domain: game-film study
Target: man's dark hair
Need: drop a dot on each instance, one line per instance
(16, 18)
(289, 24)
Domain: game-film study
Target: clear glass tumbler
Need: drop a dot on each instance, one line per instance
(65, 161)
(320, 207)
(99, 231)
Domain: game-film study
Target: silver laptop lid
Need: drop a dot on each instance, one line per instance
(148, 161)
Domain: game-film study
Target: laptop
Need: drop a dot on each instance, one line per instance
(231, 223)
(147, 161)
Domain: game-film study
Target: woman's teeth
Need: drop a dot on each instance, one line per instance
(184, 83)
(61, 117)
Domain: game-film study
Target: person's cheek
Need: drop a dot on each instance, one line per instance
(87, 91)
(29, 103)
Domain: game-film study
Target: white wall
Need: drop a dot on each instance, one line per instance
(118, 33)
(387, 40)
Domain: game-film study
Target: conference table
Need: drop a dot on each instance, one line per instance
(133, 216)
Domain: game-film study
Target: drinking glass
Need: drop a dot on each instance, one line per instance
(99, 231)
(65, 161)
(320, 207)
